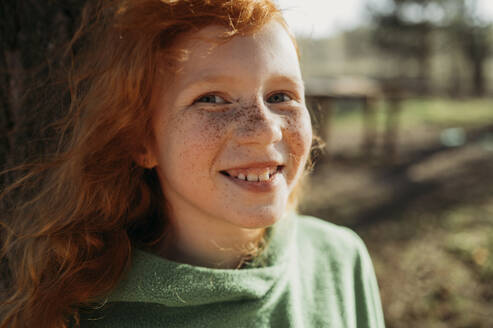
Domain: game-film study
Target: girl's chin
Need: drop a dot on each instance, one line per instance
(262, 219)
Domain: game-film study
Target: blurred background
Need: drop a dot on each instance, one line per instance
(402, 93)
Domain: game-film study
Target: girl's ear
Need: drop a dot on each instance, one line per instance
(145, 158)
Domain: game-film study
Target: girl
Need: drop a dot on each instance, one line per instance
(171, 202)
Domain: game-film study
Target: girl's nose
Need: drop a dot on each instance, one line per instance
(259, 125)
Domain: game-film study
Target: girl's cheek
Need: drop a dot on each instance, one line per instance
(215, 125)
(200, 134)
(299, 132)
(206, 126)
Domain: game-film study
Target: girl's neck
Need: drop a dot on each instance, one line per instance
(210, 248)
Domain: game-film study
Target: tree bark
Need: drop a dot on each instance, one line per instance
(32, 35)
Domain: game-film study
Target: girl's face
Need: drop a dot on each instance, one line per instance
(232, 132)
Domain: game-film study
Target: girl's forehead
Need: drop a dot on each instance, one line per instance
(207, 51)
(220, 33)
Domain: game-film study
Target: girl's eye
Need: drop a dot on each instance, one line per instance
(211, 99)
(278, 98)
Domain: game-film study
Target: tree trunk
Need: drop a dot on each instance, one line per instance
(32, 34)
(478, 77)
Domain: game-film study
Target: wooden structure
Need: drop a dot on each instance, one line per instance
(322, 94)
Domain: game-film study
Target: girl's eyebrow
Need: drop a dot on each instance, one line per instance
(203, 78)
(290, 79)
(231, 79)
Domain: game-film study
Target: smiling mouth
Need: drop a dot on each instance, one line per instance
(254, 175)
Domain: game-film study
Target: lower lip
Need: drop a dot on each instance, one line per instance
(260, 186)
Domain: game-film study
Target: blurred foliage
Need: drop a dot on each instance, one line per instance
(431, 48)
(405, 29)
(426, 218)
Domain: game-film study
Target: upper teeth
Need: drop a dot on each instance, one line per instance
(256, 176)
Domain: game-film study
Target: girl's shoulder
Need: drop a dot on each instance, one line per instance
(320, 236)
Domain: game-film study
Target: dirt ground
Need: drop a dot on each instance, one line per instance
(427, 220)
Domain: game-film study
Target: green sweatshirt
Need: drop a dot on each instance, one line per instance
(311, 274)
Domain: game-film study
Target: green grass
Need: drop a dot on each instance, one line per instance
(440, 112)
(470, 238)
(434, 112)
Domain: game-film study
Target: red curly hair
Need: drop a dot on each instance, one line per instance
(71, 243)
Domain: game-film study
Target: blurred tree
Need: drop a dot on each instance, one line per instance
(32, 34)
(471, 34)
(404, 28)
(403, 31)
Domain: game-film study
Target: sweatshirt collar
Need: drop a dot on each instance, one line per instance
(153, 279)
